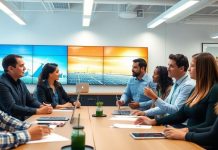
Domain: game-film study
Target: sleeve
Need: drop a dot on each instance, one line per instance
(12, 140)
(127, 93)
(41, 95)
(145, 104)
(178, 117)
(10, 123)
(65, 96)
(154, 111)
(30, 101)
(199, 130)
(179, 102)
(204, 138)
(8, 103)
(210, 114)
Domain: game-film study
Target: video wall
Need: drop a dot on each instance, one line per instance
(96, 65)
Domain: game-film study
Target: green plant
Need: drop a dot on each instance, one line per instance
(99, 103)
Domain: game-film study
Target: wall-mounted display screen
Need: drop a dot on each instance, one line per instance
(96, 65)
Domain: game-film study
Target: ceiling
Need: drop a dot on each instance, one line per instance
(205, 12)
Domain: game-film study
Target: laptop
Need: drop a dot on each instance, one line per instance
(74, 109)
(82, 88)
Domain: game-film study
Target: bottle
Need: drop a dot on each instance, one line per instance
(78, 138)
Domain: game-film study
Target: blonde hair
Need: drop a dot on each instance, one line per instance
(206, 77)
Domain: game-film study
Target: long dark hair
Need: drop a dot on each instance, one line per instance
(206, 77)
(46, 70)
(164, 81)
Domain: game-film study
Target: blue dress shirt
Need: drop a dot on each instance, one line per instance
(135, 91)
(176, 98)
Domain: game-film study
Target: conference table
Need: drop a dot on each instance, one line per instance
(102, 136)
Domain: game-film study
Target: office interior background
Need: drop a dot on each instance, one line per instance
(112, 23)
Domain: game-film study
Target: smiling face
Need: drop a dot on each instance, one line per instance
(155, 76)
(173, 70)
(54, 75)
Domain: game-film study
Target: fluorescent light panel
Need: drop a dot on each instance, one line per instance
(214, 36)
(10, 13)
(87, 7)
(171, 12)
(180, 9)
(86, 21)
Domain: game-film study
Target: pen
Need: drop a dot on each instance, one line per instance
(118, 103)
(43, 123)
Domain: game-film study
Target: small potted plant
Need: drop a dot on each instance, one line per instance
(99, 109)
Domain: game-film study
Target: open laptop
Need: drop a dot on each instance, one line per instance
(74, 109)
(82, 88)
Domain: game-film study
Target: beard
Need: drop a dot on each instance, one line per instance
(135, 74)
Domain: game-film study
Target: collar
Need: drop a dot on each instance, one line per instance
(178, 82)
(11, 79)
(144, 78)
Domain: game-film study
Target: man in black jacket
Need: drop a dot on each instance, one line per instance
(15, 98)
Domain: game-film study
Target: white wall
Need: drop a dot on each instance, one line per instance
(106, 30)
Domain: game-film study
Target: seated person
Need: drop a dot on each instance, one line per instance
(206, 137)
(50, 91)
(164, 84)
(15, 132)
(15, 98)
(135, 87)
(177, 68)
(199, 108)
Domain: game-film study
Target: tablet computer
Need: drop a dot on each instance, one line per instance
(53, 119)
(157, 135)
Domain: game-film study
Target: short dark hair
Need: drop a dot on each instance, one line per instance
(181, 60)
(142, 62)
(10, 60)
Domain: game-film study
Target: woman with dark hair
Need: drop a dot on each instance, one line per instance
(50, 91)
(199, 108)
(164, 85)
(164, 82)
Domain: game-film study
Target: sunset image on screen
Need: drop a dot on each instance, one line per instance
(126, 51)
(102, 65)
(85, 51)
(118, 65)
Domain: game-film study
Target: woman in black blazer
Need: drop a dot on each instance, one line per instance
(206, 137)
(50, 91)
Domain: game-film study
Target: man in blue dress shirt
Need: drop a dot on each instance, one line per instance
(183, 86)
(136, 85)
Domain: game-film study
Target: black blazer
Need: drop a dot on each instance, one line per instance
(15, 98)
(44, 94)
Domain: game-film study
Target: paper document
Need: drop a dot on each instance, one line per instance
(131, 126)
(62, 110)
(124, 118)
(50, 138)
